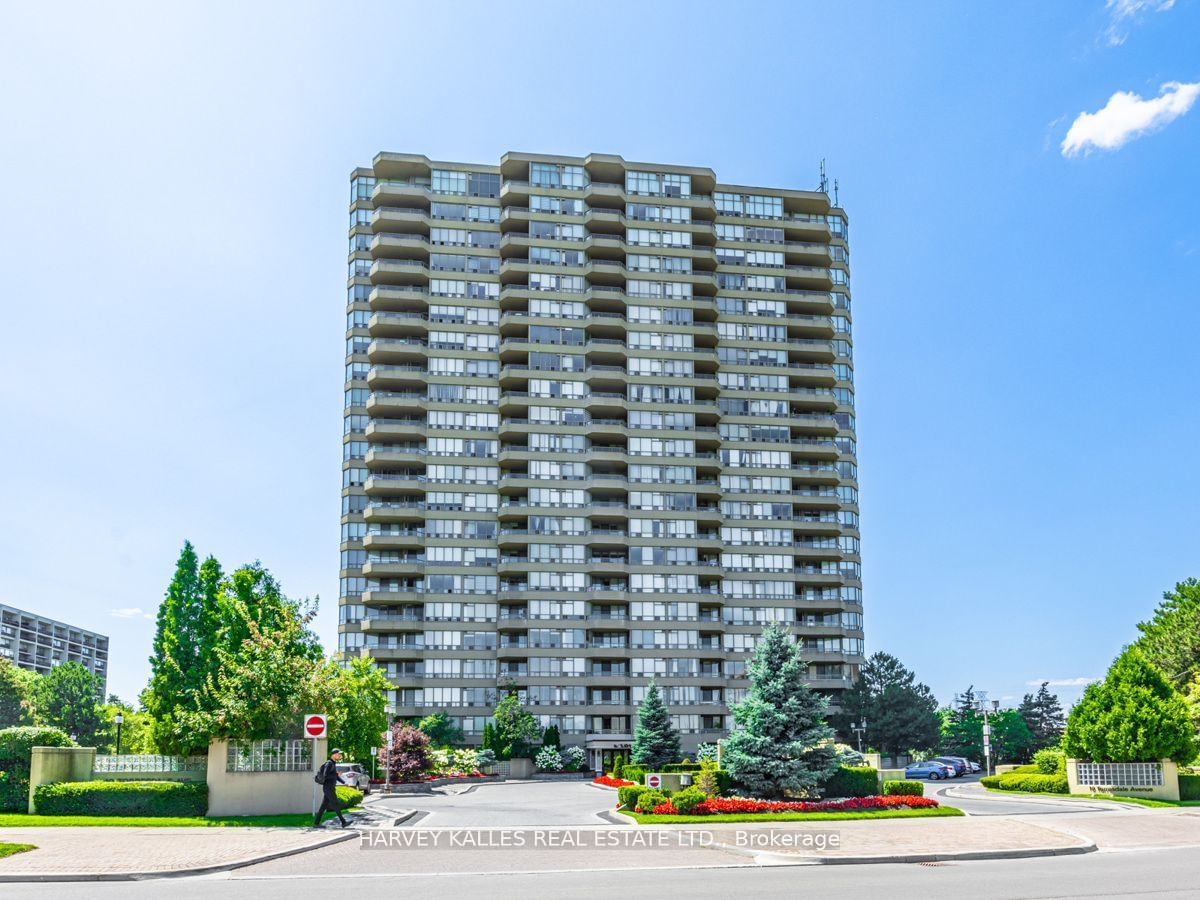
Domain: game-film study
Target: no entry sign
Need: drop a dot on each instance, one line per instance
(653, 781)
(314, 725)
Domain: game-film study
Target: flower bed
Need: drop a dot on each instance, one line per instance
(606, 781)
(716, 806)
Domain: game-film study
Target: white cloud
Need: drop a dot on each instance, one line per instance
(1124, 14)
(126, 612)
(1127, 116)
(1062, 682)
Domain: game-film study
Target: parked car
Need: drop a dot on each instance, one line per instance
(353, 775)
(957, 763)
(931, 769)
(975, 767)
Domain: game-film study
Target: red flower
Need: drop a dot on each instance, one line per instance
(612, 782)
(665, 809)
(725, 805)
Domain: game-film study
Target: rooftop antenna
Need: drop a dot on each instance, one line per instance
(824, 188)
(835, 193)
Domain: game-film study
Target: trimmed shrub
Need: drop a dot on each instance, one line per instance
(1029, 770)
(16, 747)
(347, 796)
(122, 798)
(679, 767)
(903, 789)
(1034, 783)
(628, 796)
(1050, 761)
(647, 800)
(1189, 786)
(634, 773)
(852, 781)
(688, 798)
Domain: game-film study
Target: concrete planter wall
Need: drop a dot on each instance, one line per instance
(1153, 780)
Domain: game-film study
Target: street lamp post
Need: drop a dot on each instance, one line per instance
(859, 730)
(119, 718)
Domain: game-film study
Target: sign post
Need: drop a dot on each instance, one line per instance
(315, 726)
(387, 772)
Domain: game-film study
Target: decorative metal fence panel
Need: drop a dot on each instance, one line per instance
(148, 762)
(1147, 774)
(269, 756)
(499, 767)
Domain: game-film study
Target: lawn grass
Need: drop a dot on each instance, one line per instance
(1140, 801)
(18, 820)
(650, 819)
(10, 849)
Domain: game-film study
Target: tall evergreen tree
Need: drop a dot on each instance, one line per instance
(783, 744)
(173, 677)
(901, 712)
(1044, 715)
(655, 742)
(1171, 639)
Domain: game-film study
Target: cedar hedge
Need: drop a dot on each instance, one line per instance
(852, 781)
(16, 748)
(349, 797)
(903, 789)
(634, 773)
(1031, 783)
(1189, 786)
(122, 798)
(628, 796)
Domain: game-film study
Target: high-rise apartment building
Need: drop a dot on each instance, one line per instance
(599, 429)
(37, 643)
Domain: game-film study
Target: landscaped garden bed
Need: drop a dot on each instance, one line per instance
(609, 781)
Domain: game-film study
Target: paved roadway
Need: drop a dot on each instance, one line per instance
(507, 803)
(968, 795)
(1162, 874)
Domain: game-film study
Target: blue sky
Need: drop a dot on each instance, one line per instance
(173, 193)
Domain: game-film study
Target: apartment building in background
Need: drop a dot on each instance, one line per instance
(38, 643)
(599, 429)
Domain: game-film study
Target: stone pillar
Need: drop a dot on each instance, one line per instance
(51, 764)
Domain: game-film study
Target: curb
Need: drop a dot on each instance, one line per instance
(784, 859)
(16, 878)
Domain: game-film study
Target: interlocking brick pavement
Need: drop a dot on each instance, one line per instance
(116, 851)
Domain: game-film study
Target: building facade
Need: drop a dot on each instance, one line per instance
(37, 643)
(599, 429)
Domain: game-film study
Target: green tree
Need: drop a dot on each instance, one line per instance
(655, 742)
(1012, 741)
(18, 688)
(442, 730)
(550, 737)
(137, 728)
(514, 730)
(357, 707)
(962, 732)
(1133, 715)
(1044, 715)
(900, 712)
(784, 744)
(174, 652)
(488, 741)
(69, 699)
(1171, 639)
(266, 681)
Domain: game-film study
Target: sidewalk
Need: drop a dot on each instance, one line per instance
(115, 853)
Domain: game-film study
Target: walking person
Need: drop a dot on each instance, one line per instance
(327, 776)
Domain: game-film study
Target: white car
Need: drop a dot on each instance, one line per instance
(352, 775)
